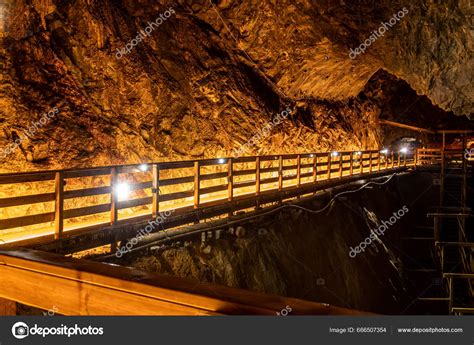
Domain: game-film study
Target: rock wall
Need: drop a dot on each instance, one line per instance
(304, 255)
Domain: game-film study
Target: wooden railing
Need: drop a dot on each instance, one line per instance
(73, 199)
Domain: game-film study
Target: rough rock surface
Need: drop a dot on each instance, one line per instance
(212, 75)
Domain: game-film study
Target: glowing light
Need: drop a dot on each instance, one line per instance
(123, 191)
(404, 150)
(358, 153)
(221, 161)
(334, 153)
(384, 151)
(311, 155)
(143, 167)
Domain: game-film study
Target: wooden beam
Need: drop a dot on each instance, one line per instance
(87, 288)
(401, 125)
(59, 205)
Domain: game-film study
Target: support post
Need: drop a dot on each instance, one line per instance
(370, 162)
(197, 183)
(230, 179)
(280, 173)
(341, 164)
(113, 196)
(393, 159)
(298, 171)
(315, 168)
(156, 190)
(329, 167)
(351, 167)
(59, 205)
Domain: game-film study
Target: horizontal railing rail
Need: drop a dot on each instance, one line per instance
(73, 198)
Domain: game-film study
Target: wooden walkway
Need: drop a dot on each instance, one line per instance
(76, 201)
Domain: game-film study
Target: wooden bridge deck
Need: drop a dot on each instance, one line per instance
(69, 202)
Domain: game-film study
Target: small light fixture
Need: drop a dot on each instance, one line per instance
(404, 150)
(221, 161)
(358, 153)
(311, 155)
(122, 190)
(143, 167)
(384, 151)
(334, 153)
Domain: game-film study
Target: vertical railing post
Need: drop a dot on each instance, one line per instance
(113, 196)
(404, 159)
(230, 179)
(386, 160)
(370, 161)
(156, 190)
(378, 161)
(341, 164)
(257, 175)
(416, 158)
(361, 162)
(280, 172)
(451, 292)
(351, 166)
(298, 171)
(315, 167)
(393, 159)
(197, 183)
(59, 205)
(329, 166)
(398, 159)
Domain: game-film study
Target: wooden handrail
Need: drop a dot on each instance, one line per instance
(169, 184)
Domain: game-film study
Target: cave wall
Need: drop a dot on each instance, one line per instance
(268, 254)
(209, 77)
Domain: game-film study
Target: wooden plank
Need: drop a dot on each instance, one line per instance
(27, 200)
(176, 195)
(213, 189)
(315, 168)
(88, 287)
(78, 193)
(26, 177)
(243, 184)
(16, 222)
(329, 163)
(177, 180)
(269, 180)
(135, 202)
(59, 205)
(86, 172)
(215, 176)
(141, 185)
(244, 172)
(212, 162)
(269, 170)
(86, 211)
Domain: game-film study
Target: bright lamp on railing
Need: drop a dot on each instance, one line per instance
(384, 151)
(358, 153)
(143, 167)
(404, 150)
(334, 153)
(221, 161)
(122, 191)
